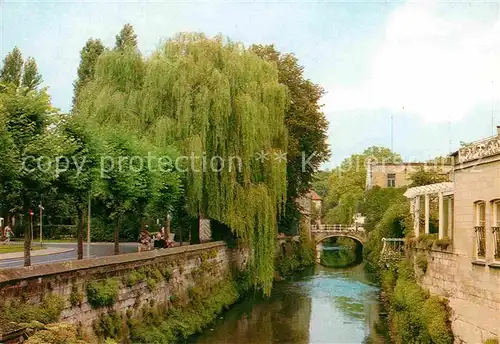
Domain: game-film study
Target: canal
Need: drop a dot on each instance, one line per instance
(325, 305)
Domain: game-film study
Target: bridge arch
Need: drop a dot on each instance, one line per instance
(323, 232)
(319, 238)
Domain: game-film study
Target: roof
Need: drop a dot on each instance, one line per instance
(445, 187)
(315, 196)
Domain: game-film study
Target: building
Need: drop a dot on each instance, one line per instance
(464, 261)
(391, 175)
(316, 200)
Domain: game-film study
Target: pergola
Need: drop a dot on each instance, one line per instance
(442, 190)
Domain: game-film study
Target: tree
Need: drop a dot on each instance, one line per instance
(306, 126)
(78, 169)
(88, 58)
(126, 39)
(428, 176)
(182, 96)
(320, 183)
(348, 182)
(27, 119)
(12, 68)
(31, 78)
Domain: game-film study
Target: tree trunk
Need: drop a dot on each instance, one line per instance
(27, 242)
(79, 231)
(117, 235)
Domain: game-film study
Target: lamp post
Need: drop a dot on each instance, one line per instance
(41, 222)
(88, 228)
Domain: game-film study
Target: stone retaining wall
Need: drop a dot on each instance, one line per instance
(32, 284)
(472, 290)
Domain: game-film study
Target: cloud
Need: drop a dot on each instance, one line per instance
(430, 64)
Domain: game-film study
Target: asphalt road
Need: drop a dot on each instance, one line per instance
(96, 250)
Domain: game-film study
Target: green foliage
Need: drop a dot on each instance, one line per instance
(182, 93)
(160, 326)
(428, 176)
(377, 201)
(20, 312)
(60, 333)
(392, 224)
(88, 58)
(126, 39)
(347, 184)
(306, 127)
(491, 341)
(76, 296)
(415, 316)
(320, 183)
(135, 277)
(443, 243)
(102, 293)
(12, 68)
(151, 275)
(421, 262)
(427, 240)
(109, 325)
(295, 256)
(31, 78)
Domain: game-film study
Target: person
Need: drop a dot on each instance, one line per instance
(162, 231)
(145, 241)
(8, 233)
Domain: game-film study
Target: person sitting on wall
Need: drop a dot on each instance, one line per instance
(145, 241)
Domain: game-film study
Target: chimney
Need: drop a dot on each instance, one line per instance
(498, 130)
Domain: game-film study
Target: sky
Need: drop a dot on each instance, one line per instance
(429, 70)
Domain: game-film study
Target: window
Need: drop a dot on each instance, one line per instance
(495, 229)
(479, 228)
(391, 180)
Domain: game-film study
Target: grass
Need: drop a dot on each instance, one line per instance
(16, 248)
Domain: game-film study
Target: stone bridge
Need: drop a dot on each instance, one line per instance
(322, 232)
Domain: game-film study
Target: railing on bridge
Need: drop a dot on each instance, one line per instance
(393, 245)
(337, 228)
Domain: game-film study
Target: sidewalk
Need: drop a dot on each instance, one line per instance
(44, 252)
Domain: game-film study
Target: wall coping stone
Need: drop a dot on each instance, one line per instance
(30, 272)
(479, 262)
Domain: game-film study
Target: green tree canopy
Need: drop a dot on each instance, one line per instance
(209, 98)
(12, 68)
(347, 183)
(306, 126)
(126, 39)
(31, 78)
(88, 58)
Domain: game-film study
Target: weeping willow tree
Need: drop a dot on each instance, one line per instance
(221, 106)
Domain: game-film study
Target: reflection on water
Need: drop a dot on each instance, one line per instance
(326, 306)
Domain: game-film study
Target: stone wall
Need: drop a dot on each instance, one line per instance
(472, 290)
(32, 284)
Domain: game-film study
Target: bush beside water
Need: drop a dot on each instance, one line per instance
(415, 316)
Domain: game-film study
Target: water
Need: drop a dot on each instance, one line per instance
(325, 306)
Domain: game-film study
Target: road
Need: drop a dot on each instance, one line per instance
(96, 250)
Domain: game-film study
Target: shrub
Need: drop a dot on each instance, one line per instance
(76, 297)
(60, 333)
(102, 293)
(421, 261)
(427, 240)
(134, 277)
(415, 316)
(443, 243)
(109, 325)
(491, 341)
(47, 312)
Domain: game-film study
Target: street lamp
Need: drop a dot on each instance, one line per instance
(41, 222)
